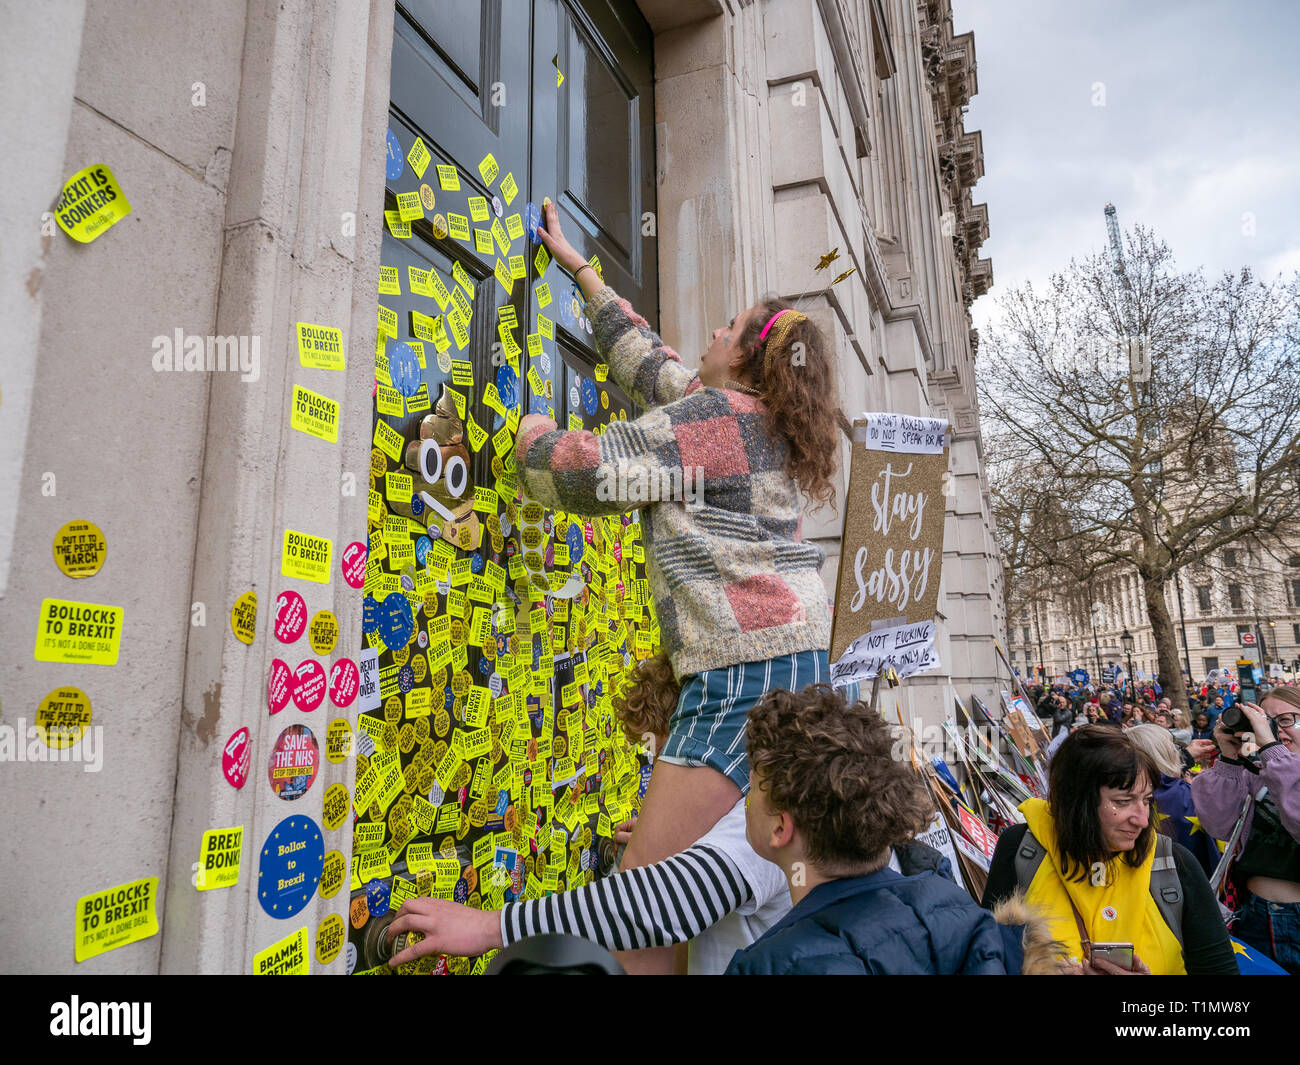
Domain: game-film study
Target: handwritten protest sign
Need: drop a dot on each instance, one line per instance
(892, 550)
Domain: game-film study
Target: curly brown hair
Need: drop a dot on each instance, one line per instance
(830, 765)
(798, 387)
(648, 700)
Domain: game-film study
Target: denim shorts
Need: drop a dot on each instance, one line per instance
(708, 727)
(1273, 928)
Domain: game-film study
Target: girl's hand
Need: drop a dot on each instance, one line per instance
(556, 243)
(1259, 721)
(1228, 743)
(1201, 750)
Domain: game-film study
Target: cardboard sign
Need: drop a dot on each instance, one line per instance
(892, 548)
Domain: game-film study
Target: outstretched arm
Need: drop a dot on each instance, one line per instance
(650, 906)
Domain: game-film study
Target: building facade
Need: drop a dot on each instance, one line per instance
(252, 147)
(1243, 604)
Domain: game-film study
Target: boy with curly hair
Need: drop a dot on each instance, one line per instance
(832, 808)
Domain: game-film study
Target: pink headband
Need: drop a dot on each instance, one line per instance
(763, 335)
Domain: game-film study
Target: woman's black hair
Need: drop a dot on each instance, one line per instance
(1093, 758)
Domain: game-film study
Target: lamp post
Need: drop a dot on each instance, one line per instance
(1094, 606)
(1042, 663)
(1126, 642)
(1182, 624)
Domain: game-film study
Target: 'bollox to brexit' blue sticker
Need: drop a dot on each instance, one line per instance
(508, 387)
(378, 897)
(369, 614)
(532, 222)
(404, 368)
(396, 623)
(644, 782)
(395, 162)
(590, 396)
(290, 867)
(573, 537)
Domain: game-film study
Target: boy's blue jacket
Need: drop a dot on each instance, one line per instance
(885, 924)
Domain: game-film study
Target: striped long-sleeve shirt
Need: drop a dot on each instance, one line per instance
(651, 906)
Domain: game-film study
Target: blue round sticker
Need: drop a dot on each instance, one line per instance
(396, 623)
(406, 679)
(378, 897)
(574, 539)
(476, 562)
(404, 368)
(590, 396)
(508, 387)
(532, 221)
(288, 872)
(417, 507)
(395, 162)
(460, 893)
(422, 545)
(369, 614)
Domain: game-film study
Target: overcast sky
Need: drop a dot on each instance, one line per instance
(1200, 125)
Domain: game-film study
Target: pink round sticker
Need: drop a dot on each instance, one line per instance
(290, 617)
(277, 688)
(236, 758)
(344, 682)
(308, 685)
(354, 564)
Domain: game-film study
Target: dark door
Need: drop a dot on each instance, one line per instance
(474, 91)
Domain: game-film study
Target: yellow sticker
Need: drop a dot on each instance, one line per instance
(543, 294)
(306, 557)
(509, 188)
(321, 346)
(518, 266)
(115, 917)
(515, 226)
(388, 440)
(488, 169)
(390, 283)
(315, 415)
(389, 401)
(387, 319)
(90, 633)
(323, 632)
(448, 179)
(287, 957)
(438, 223)
(336, 805)
(483, 241)
(502, 272)
(427, 198)
(418, 157)
(80, 549)
(541, 260)
(329, 936)
(478, 208)
(396, 226)
(458, 225)
(92, 202)
(331, 874)
(338, 740)
(62, 717)
(409, 207)
(219, 858)
(243, 617)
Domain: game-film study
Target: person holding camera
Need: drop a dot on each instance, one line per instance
(1267, 872)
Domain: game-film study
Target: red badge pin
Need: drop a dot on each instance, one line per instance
(236, 758)
(308, 685)
(345, 679)
(277, 688)
(353, 562)
(290, 617)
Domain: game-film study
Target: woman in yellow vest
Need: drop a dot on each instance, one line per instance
(1091, 861)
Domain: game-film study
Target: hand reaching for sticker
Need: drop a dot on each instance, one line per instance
(556, 242)
(447, 927)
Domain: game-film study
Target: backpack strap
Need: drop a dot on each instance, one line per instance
(1029, 856)
(1165, 887)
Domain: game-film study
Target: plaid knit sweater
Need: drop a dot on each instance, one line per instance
(731, 579)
